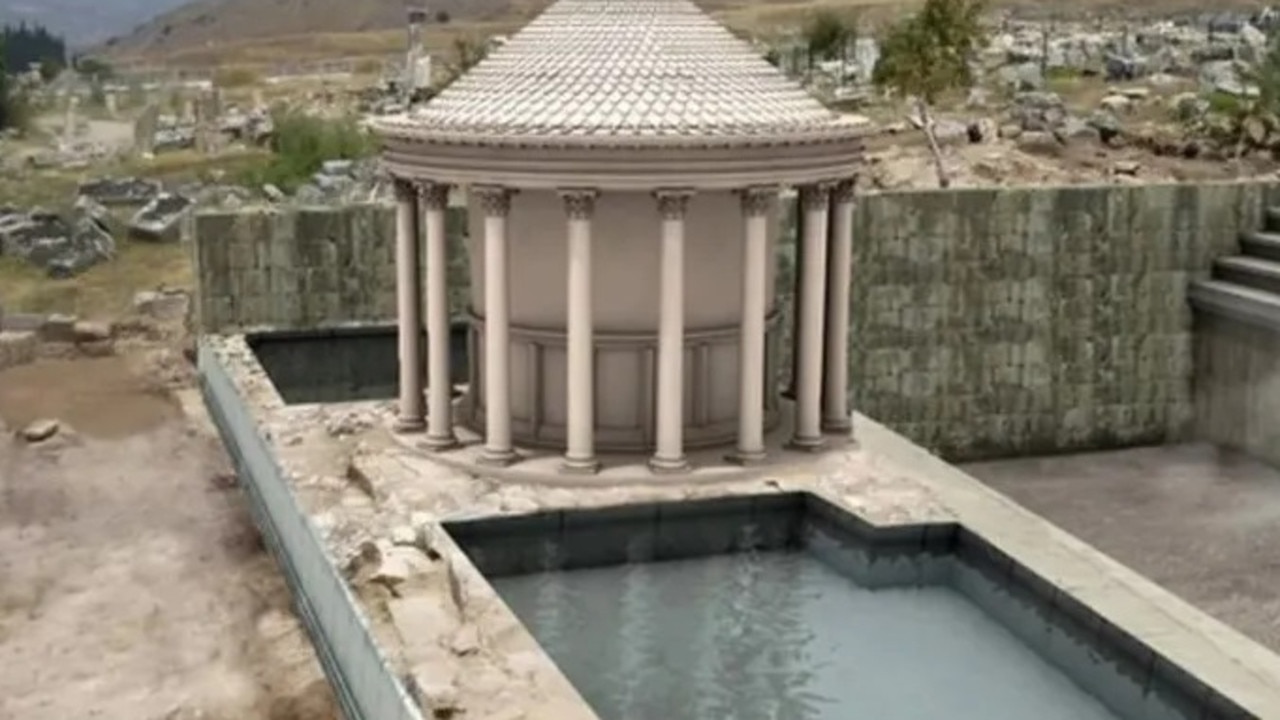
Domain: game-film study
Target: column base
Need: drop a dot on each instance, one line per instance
(747, 458)
(668, 466)
(497, 458)
(837, 425)
(807, 444)
(440, 443)
(408, 425)
(580, 466)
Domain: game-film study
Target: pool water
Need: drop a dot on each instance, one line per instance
(781, 635)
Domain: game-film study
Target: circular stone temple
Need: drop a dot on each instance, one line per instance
(622, 161)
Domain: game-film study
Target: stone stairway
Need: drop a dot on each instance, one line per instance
(1246, 287)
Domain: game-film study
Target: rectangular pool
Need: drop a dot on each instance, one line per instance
(343, 364)
(786, 607)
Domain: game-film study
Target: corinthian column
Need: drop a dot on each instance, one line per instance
(835, 403)
(408, 302)
(498, 450)
(579, 205)
(435, 202)
(814, 202)
(669, 455)
(751, 344)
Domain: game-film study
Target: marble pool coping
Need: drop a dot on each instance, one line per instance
(361, 487)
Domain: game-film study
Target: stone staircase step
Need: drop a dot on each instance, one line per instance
(1260, 244)
(1255, 272)
(1236, 302)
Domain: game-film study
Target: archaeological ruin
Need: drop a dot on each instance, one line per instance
(632, 367)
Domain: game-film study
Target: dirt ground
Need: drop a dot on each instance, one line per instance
(133, 584)
(1201, 523)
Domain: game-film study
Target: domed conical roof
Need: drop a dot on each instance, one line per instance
(623, 71)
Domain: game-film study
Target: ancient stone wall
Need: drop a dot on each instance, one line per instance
(985, 323)
(301, 268)
(1023, 321)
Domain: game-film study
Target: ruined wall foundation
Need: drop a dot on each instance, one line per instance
(985, 323)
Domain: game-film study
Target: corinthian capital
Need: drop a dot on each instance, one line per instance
(494, 200)
(673, 203)
(579, 203)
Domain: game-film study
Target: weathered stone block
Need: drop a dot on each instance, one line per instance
(18, 348)
(58, 329)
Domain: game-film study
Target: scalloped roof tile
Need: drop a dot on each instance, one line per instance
(624, 68)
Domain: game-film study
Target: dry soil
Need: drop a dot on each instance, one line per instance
(133, 584)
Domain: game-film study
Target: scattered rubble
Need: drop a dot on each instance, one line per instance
(112, 191)
(64, 245)
(40, 430)
(161, 219)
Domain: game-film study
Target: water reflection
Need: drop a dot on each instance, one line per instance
(782, 636)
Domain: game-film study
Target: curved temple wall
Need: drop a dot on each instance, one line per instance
(625, 294)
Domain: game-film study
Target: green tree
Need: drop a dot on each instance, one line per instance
(928, 54)
(467, 53)
(26, 45)
(49, 69)
(301, 144)
(1249, 119)
(827, 37)
(94, 69)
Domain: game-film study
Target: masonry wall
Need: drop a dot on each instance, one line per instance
(985, 323)
(1025, 321)
(1237, 385)
(267, 268)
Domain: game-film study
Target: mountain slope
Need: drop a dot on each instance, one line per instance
(83, 22)
(206, 22)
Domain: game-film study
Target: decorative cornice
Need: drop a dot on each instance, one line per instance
(673, 203)
(505, 136)
(579, 203)
(494, 200)
(610, 169)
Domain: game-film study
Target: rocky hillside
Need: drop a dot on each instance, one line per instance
(205, 22)
(211, 23)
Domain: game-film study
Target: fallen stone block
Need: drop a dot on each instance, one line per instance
(59, 329)
(18, 348)
(86, 331)
(162, 304)
(120, 191)
(162, 218)
(64, 246)
(97, 348)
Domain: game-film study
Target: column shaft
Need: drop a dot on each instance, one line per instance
(814, 202)
(580, 383)
(435, 202)
(751, 344)
(498, 449)
(835, 405)
(408, 302)
(797, 296)
(669, 455)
